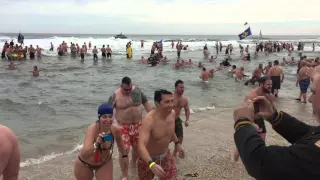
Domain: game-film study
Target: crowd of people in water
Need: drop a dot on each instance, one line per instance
(149, 138)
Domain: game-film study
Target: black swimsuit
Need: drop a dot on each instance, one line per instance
(94, 168)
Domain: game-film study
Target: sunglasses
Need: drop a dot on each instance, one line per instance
(126, 89)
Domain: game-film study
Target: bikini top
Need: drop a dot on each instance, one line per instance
(108, 138)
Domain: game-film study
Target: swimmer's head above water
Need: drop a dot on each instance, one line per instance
(265, 83)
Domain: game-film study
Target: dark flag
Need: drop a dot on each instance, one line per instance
(245, 34)
(246, 23)
(20, 38)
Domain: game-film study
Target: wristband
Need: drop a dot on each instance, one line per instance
(95, 147)
(151, 164)
(242, 121)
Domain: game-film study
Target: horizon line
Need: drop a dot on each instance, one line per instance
(160, 34)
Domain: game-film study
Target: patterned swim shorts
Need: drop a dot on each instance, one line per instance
(167, 163)
(130, 134)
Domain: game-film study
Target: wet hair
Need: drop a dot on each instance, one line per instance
(276, 62)
(263, 79)
(158, 94)
(203, 69)
(126, 80)
(179, 81)
(234, 66)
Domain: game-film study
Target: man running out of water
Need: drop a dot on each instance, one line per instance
(95, 53)
(31, 52)
(9, 154)
(103, 52)
(264, 89)
(109, 51)
(303, 81)
(267, 68)
(127, 101)
(82, 52)
(180, 101)
(277, 76)
(95, 158)
(157, 132)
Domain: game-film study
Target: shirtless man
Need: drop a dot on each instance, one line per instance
(83, 50)
(179, 48)
(157, 132)
(180, 101)
(103, 52)
(204, 75)
(284, 62)
(277, 76)
(177, 64)
(9, 154)
(264, 89)
(12, 65)
(127, 101)
(51, 47)
(211, 60)
(255, 75)
(95, 53)
(239, 74)
(60, 50)
(9, 53)
(109, 51)
(144, 60)
(303, 80)
(293, 62)
(38, 50)
(267, 68)
(36, 71)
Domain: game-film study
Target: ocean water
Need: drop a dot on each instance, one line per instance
(50, 113)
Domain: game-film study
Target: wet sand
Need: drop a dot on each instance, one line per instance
(208, 143)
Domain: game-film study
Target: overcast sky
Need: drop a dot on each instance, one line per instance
(160, 16)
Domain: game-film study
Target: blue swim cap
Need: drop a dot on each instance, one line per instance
(104, 109)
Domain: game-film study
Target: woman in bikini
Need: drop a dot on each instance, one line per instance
(95, 158)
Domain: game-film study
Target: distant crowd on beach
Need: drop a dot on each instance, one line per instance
(148, 137)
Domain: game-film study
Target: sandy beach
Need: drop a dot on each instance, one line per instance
(208, 144)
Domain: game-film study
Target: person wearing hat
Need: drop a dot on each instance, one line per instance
(95, 158)
(264, 89)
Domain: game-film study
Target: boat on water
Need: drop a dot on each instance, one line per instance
(120, 36)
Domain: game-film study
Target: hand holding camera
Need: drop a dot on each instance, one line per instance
(259, 107)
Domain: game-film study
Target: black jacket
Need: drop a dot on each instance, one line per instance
(300, 161)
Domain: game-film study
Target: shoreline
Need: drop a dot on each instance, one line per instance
(208, 143)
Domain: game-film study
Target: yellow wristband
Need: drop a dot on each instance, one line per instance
(151, 164)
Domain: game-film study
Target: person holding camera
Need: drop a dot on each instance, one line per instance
(95, 157)
(301, 160)
(264, 89)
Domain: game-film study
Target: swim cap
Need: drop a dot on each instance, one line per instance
(104, 109)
